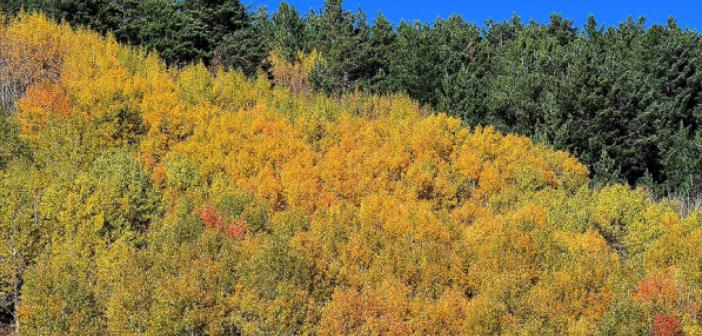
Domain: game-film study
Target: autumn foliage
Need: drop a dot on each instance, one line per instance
(213, 221)
(656, 288)
(665, 325)
(175, 201)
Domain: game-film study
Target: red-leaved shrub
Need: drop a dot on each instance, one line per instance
(213, 221)
(666, 325)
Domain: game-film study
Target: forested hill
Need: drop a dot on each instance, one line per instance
(625, 100)
(142, 199)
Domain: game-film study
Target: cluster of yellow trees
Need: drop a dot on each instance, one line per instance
(195, 201)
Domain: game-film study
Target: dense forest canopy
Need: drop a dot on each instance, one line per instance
(625, 99)
(288, 174)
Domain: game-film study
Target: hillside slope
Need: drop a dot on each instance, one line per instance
(624, 98)
(138, 199)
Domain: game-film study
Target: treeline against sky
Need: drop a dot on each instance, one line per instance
(625, 100)
(142, 199)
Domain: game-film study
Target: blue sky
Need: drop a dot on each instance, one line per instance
(687, 13)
